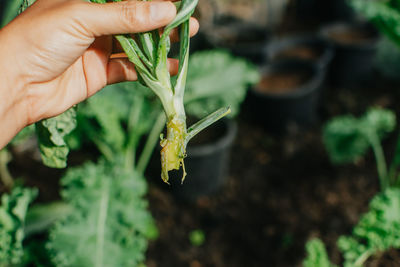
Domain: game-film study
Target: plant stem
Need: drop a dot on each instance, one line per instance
(41, 217)
(360, 261)
(5, 175)
(104, 149)
(380, 161)
(204, 123)
(151, 142)
(133, 135)
(103, 209)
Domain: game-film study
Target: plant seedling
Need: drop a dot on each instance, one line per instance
(149, 52)
(348, 138)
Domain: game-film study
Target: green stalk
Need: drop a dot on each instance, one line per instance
(151, 142)
(41, 217)
(101, 225)
(5, 175)
(363, 258)
(380, 160)
(133, 135)
(207, 121)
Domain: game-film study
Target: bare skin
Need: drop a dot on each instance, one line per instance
(60, 52)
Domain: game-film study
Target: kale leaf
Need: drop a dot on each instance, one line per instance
(13, 211)
(51, 134)
(109, 224)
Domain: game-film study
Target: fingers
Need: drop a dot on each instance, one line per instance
(125, 17)
(194, 28)
(121, 69)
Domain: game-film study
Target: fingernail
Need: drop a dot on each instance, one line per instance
(160, 11)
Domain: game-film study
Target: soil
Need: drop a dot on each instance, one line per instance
(301, 52)
(282, 82)
(351, 36)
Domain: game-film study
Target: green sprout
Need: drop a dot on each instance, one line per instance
(149, 52)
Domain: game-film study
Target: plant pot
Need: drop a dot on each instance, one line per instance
(207, 162)
(355, 48)
(242, 39)
(289, 92)
(305, 47)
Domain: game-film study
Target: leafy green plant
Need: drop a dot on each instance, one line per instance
(13, 211)
(377, 231)
(347, 139)
(149, 52)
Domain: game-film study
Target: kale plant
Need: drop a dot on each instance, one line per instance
(347, 139)
(377, 231)
(109, 224)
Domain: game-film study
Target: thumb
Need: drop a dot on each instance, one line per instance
(126, 17)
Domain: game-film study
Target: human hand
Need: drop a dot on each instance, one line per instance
(59, 52)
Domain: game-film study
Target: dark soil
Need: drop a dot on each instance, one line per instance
(301, 52)
(281, 191)
(351, 36)
(282, 82)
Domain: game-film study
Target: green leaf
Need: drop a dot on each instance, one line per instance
(316, 254)
(13, 210)
(9, 10)
(186, 9)
(109, 224)
(377, 231)
(51, 133)
(217, 79)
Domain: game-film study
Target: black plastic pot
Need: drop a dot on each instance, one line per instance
(305, 47)
(207, 163)
(242, 39)
(355, 48)
(298, 104)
